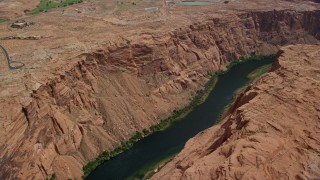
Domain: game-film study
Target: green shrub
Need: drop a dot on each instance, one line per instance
(3, 20)
(53, 176)
(146, 132)
(47, 4)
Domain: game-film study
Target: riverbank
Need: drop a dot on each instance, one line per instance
(164, 124)
(198, 99)
(254, 75)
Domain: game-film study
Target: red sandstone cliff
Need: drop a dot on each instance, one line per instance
(113, 92)
(272, 132)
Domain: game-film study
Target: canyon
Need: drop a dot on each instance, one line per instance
(81, 95)
(270, 132)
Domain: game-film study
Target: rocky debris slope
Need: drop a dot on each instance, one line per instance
(110, 94)
(271, 132)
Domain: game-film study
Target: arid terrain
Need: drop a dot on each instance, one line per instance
(271, 132)
(16, 8)
(97, 72)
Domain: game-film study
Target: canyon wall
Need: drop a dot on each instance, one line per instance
(115, 91)
(271, 132)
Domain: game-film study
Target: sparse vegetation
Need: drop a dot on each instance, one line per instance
(147, 172)
(258, 72)
(252, 76)
(251, 57)
(200, 97)
(119, 7)
(146, 132)
(197, 100)
(87, 169)
(53, 176)
(48, 4)
(3, 20)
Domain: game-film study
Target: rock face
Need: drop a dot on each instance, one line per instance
(109, 94)
(271, 132)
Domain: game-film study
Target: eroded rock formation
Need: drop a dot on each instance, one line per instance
(271, 132)
(110, 94)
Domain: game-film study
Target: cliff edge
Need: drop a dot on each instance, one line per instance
(271, 132)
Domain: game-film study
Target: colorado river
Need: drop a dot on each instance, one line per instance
(163, 145)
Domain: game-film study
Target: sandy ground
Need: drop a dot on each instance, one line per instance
(16, 8)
